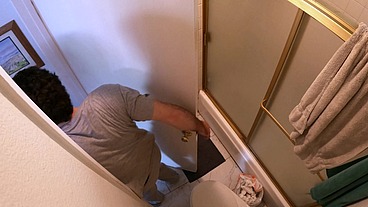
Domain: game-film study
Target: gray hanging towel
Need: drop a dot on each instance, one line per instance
(331, 121)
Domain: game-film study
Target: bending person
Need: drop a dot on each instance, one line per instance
(104, 126)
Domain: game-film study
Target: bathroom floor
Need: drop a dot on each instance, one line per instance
(178, 195)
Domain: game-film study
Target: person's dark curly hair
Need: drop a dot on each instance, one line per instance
(47, 91)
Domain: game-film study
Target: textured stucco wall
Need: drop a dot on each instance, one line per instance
(36, 171)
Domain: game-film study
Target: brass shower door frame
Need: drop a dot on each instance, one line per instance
(314, 9)
(305, 7)
(277, 73)
(330, 20)
(207, 38)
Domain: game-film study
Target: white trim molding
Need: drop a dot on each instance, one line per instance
(238, 150)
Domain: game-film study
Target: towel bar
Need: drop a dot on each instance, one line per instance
(283, 130)
(276, 121)
(329, 20)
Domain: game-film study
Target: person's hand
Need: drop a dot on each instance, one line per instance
(204, 130)
(179, 118)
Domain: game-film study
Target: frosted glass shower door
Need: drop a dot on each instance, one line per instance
(312, 49)
(246, 39)
(245, 42)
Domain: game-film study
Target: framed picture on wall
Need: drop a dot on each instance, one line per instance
(16, 53)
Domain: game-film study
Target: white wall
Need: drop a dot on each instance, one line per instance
(36, 171)
(146, 45)
(45, 47)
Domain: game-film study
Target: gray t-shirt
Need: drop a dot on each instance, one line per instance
(105, 128)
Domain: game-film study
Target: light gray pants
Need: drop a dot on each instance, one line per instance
(150, 192)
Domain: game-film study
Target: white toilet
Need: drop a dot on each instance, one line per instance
(214, 194)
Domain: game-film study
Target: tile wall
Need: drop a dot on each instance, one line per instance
(355, 10)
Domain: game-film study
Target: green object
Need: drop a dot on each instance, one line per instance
(333, 171)
(346, 187)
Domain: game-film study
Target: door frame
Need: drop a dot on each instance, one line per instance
(25, 105)
(19, 99)
(54, 58)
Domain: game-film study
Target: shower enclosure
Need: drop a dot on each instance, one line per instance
(259, 59)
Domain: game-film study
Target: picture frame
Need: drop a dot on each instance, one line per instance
(16, 53)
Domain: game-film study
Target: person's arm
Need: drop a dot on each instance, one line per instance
(179, 118)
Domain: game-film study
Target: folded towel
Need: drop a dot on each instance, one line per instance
(330, 120)
(346, 187)
(333, 171)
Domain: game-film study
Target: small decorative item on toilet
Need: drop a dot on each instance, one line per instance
(249, 189)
